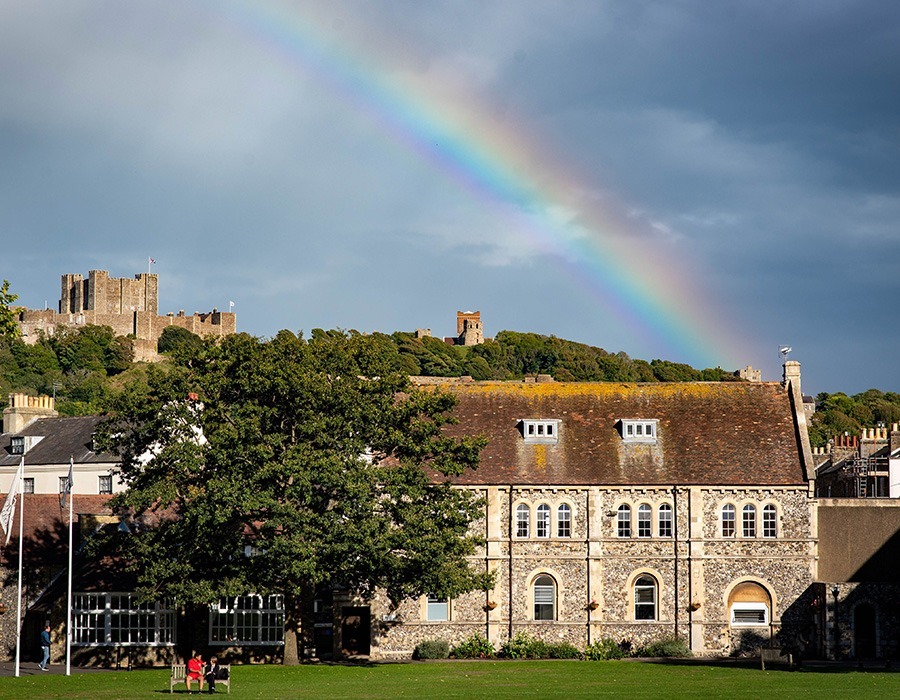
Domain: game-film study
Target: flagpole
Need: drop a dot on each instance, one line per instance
(19, 594)
(69, 601)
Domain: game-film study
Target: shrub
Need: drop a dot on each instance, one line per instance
(604, 650)
(432, 649)
(563, 650)
(667, 646)
(524, 646)
(475, 647)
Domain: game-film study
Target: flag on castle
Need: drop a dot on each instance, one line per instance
(230, 305)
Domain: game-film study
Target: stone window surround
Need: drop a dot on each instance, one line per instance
(765, 585)
(532, 510)
(759, 521)
(540, 431)
(530, 580)
(636, 430)
(634, 521)
(424, 602)
(632, 580)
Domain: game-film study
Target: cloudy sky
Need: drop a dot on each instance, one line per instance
(688, 180)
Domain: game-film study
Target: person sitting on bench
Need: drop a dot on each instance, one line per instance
(194, 671)
(215, 673)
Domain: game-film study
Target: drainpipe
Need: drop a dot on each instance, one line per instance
(587, 518)
(510, 584)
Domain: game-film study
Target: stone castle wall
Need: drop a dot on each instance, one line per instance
(129, 306)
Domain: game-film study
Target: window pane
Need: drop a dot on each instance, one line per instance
(645, 598)
(665, 520)
(543, 520)
(522, 520)
(644, 520)
(564, 521)
(624, 521)
(437, 608)
(728, 520)
(770, 521)
(749, 521)
(544, 598)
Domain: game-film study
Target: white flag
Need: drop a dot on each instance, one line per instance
(9, 507)
(67, 485)
(230, 304)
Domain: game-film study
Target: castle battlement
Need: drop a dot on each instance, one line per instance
(128, 306)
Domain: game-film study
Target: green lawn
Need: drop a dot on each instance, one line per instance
(496, 680)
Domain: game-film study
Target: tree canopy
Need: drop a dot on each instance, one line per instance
(317, 453)
(9, 326)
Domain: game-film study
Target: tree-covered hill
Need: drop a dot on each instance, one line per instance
(87, 366)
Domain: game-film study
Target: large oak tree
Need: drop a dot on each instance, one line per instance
(317, 453)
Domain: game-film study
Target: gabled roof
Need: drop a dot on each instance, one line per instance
(62, 438)
(709, 433)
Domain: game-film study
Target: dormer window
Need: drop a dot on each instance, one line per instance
(639, 429)
(17, 446)
(540, 430)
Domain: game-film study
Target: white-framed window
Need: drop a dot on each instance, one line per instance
(247, 620)
(645, 595)
(748, 521)
(544, 598)
(540, 430)
(728, 520)
(665, 520)
(749, 614)
(28, 484)
(437, 608)
(105, 485)
(118, 619)
(542, 522)
(564, 520)
(769, 521)
(523, 520)
(623, 521)
(644, 521)
(17, 445)
(63, 483)
(639, 429)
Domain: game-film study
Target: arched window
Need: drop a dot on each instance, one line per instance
(728, 517)
(544, 598)
(523, 520)
(542, 524)
(623, 521)
(749, 605)
(644, 524)
(748, 521)
(770, 521)
(564, 520)
(645, 598)
(665, 520)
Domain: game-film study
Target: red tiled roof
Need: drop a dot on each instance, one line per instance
(728, 433)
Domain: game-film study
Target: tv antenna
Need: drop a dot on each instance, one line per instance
(784, 351)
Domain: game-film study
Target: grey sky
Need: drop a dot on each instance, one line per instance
(244, 147)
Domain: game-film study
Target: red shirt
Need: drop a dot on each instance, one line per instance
(194, 667)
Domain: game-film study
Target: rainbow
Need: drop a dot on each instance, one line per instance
(596, 243)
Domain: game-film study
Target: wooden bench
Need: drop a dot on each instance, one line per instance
(179, 675)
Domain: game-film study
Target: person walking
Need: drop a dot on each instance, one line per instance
(45, 647)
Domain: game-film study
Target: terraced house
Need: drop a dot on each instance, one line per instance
(633, 511)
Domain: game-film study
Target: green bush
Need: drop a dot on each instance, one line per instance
(432, 649)
(475, 647)
(563, 650)
(524, 646)
(604, 650)
(667, 646)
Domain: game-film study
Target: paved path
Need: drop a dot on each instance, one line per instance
(31, 668)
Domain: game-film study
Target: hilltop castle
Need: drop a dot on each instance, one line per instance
(128, 306)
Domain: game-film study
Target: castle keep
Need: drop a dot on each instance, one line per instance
(128, 306)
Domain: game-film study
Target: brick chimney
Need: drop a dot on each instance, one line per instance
(24, 410)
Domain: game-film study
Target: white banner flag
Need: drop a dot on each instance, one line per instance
(9, 507)
(67, 486)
